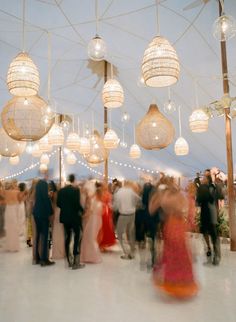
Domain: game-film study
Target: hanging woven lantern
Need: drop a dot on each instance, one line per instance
(181, 146)
(44, 158)
(44, 145)
(73, 142)
(84, 146)
(71, 158)
(56, 135)
(112, 94)
(198, 121)
(14, 160)
(160, 66)
(111, 140)
(97, 153)
(43, 168)
(21, 118)
(36, 152)
(135, 152)
(154, 131)
(23, 76)
(10, 147)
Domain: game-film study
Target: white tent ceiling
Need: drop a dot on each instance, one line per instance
(127, 27)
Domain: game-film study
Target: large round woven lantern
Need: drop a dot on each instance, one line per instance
(135, 152)
(71, 158)
(44, 158)
(84, 146)
(44, 145)
(23, 76)
(56, 135)
(22, 118)
(36, 152)
(111, 140)
(112, 94)
(10, 147)
(154, 131)
(73, 142)
(160, 66)
(181, 146)
(198, 121)
(97, 153)
(14, 160)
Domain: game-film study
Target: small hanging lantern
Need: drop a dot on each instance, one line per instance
(44, 158)
(43, 168)
(111, 140)
(154, 131)
(97, 49)
(181, 145)
(84, 145)
(36, 152)
(97, 153)
(14, 160)
(44, 145)
(71, 158)
(73, 142)
(198, 121)
(56, 135)
(135, 152)
(160, 66)
(112, 94)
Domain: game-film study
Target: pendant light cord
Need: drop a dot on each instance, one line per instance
(49, 65)
(157, 17)
(78, 127)
(196, 93)
(96, 13)
(169, 94)
(134, 135)
(123, 133)
(111, 71)
(23, 27)
(180, 129)
(222, 7)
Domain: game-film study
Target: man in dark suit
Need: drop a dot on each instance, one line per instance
(42, 212)
(68, 200)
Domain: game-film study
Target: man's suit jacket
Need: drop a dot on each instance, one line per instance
(68, 200)
(42, 207)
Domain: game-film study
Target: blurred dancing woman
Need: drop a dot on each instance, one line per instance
(173, 273)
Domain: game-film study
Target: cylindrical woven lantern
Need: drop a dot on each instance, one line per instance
(23, 76)
(198, 121)
(154, 131)
(160, 66)
(112, 94)
(73, 142)
(44, 145)
(14, 160)
(111, 140)
(135, 152)
(56, 135)
(181, 146)
(84, 146)
(36, 152)
(43, 167)
(71, 158)
(44, 158)
(97, 153)
(21, 118)
(10, 147)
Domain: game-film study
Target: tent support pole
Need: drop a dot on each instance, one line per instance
(228, 136)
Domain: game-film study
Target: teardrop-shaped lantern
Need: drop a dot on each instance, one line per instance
(154, 131)
(44, 158)
(198, 121)
(73, 142)
(135, 152)
(56, 135)
(23, 76)
(160, 66)
(112, 94)
(97, 153)
(10, 147)
(181, 146)
(84, 146)
(71, 158)
(14, 160)
(111, 140)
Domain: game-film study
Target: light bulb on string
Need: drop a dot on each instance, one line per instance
(169, 106)
(29, 148)
(224, 28)
(125, 117)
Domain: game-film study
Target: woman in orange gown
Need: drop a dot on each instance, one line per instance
(173, 273)
(106, 237)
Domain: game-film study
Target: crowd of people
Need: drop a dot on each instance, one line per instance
(83, 219)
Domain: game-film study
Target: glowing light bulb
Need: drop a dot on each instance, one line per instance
(26, 102)
(224, 28)
(169, 107)
(125, 117)
(97, 49)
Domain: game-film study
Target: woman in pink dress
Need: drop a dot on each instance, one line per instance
(106, 237)
(89, 250)
(173, 273)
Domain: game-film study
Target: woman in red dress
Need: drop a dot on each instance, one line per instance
(106, 237)
(173, 273)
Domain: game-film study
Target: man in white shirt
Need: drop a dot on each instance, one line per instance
(125, 201)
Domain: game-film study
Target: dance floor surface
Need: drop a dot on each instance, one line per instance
(114, 291)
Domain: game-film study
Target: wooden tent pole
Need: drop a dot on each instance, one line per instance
(228, 135)
(105, 125)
